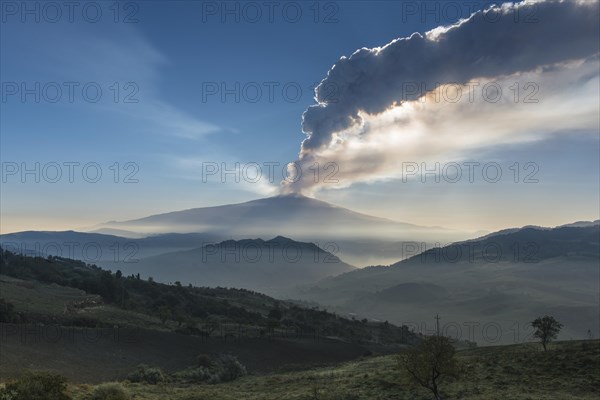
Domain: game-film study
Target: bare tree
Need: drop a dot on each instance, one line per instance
(546, 329)
(431, 362)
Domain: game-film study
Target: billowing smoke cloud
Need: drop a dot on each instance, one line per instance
(379, 84)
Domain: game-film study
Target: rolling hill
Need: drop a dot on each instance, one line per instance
(499, 282)
(269, 266)
(272, 266)
(94, 247)
(93, 325)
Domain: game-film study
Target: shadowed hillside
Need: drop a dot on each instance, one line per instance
(92, 325)
(272, 266)
(503, 280)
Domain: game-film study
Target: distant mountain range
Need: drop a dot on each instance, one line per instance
(503, 281)
(272, 266)
(578, 224)
(506, 278)
(358, 238)
(99, 247)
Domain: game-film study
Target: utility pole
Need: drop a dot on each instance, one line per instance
(437, 324)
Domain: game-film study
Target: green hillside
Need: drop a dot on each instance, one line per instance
(569, 370)
(51, 307)
(71, 292)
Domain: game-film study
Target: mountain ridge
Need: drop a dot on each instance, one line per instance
(507, 277)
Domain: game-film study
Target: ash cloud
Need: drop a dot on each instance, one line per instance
(492, 43)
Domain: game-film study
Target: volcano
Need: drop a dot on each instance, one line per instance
(287, 215)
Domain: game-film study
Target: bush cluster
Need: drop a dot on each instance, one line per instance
(146, 374)
(223, 368)
(110, 391)
(36, 386)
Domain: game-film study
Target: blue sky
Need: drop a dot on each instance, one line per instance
(166, 61)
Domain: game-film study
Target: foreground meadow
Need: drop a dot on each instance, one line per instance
(568, 370)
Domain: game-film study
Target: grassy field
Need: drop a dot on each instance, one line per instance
(32, 297)
(49, 300)
(569, 370)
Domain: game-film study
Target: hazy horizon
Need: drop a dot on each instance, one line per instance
(91, 225)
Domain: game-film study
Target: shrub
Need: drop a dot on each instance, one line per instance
(110, 391)
(204, 361)
(5, 394)
(195, 375)
(36, 386)
(7, 312)
(229, 368)
(147, 374)
(224, 368)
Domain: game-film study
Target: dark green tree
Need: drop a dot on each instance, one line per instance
(7, 312)
(275, 314)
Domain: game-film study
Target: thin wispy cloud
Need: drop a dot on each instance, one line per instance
(232, 174)
(105, 55)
